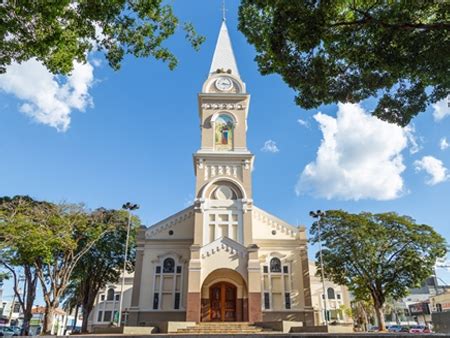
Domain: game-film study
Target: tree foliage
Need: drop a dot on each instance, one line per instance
(102, 264)
(16, 217)
(60, 32)
(53, 238)
(347, 51)
(377, 255)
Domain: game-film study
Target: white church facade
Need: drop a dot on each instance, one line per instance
(222, 259)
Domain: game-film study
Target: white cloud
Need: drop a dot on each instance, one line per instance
(441, 109)
(443, 143)
(47, 98)
(270, 147)
(359, 158)
(413, 140)
(434, 168)
(303, 123)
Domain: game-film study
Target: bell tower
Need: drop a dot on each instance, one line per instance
(223, 204)
(223, 164)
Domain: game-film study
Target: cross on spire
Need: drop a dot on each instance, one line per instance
(224, 10)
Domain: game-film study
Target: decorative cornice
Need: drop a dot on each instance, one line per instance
(217, 106)
(169, 222)
(223, 244)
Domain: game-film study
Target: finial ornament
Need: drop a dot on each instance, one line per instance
(224, 10)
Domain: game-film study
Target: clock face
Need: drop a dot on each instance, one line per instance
(224, 83)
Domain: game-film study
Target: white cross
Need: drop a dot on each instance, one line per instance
(223, 11)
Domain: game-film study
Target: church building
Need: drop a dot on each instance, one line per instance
(222, 259)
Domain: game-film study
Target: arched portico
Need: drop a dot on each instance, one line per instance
(224, 297)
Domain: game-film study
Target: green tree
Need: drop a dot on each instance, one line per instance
(53, 238)
(362, 312)
(60, 32)
(377, 255)
(347, 51)
(17, 220)
(103, 263)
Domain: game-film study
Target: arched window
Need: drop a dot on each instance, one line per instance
(330, 293)
(168, 285)
(223, 132)
(169, 265)
(275, 265)
(276, 285)
(110, 294)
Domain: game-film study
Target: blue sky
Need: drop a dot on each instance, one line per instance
(132, 133)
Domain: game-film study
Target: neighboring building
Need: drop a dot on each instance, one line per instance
(440, 302)
(416, 308)
(106, 306)
(73, 324)
(222, 258)
(10, 313)
(440, 305)
(337, 298)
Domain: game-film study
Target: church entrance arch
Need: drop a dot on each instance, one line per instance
(224, 297)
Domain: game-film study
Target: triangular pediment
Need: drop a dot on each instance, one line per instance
(184, 218)
(223, 244)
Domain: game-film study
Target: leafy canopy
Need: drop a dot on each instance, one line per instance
(60, 32)
(347, 51)
(377, 256)
(53, 238)
(382, 254)
(102, 264)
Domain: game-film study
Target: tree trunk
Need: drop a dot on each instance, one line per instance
(74, 326)
(26, 322)
(48, 319)
(86, 310)
(30, 296)
(90, 293)
(380, 318)
(366, 320)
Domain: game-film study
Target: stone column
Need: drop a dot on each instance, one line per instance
(193, 301)
(309, 312)
(254, 285)
(137, 277)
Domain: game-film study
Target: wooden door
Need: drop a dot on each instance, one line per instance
(222, 298)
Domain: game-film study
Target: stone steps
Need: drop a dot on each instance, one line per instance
(222, 327)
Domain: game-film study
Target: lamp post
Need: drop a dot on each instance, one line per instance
(319, 214)
(129, 207)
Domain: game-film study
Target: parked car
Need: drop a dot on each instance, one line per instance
(419, 329)
(398, 328)
(6, 331)
(394, 328)
(373, 329)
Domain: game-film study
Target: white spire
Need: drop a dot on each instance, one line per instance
(223, 54)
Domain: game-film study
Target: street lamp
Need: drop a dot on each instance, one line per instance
(129, 207)
(319, 214)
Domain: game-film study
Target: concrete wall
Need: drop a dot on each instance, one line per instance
(441, 322)
(157, 319)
